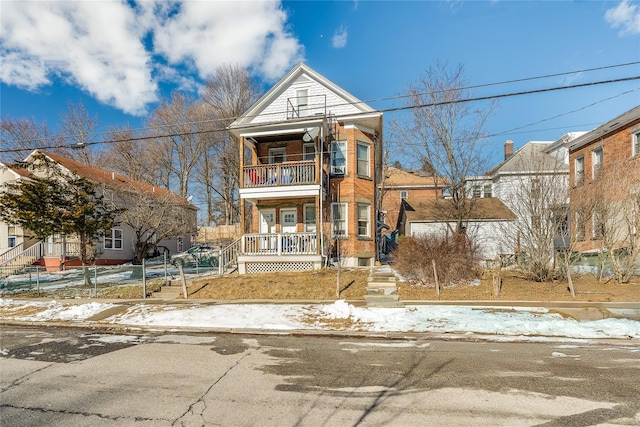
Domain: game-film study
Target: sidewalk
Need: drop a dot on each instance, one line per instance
(503, 321)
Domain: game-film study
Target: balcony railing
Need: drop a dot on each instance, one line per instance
(280, 244)
(280, 174)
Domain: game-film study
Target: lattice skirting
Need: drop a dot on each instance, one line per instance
(270, 267)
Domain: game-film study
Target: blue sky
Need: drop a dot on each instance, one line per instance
(119, 58)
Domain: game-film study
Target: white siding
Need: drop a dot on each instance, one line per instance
(277, 110)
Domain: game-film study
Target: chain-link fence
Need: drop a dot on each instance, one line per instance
(120, 281)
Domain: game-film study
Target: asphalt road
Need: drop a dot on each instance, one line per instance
(81, 377)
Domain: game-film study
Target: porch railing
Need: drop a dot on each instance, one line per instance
(21, 260)
(60, 249)
(280, 244)
(10, 253)
(279, 174)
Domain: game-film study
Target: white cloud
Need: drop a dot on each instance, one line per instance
(119, 52)
(340, 37)
(94, 45)
(624, 16)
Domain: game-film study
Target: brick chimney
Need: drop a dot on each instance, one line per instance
(508, 149)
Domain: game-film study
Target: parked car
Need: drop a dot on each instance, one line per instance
(201, 255)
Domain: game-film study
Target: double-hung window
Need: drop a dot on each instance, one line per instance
(302, 99)
(113, 239)
(597, 157)
(487, 190)
(636, 143)
(339, 220)
(362, 152)
(309, 151)
(579, 171)
(11, 234)
(580, 226)
(404, 194)
(310, 218)
(277, 155)
(339, 158)
(364, 220)
(597, 225)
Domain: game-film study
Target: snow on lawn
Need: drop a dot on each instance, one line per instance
(36, 311)
(499, 322)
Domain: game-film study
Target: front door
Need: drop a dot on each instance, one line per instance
(288, 220)
(288, 224)
(267, 240)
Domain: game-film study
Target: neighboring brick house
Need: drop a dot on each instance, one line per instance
(605, 184)
(399, 184)
(116, 247)
(310, 160)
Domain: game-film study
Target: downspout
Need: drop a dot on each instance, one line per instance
(321, 212)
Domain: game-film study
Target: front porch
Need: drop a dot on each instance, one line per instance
(271, 252)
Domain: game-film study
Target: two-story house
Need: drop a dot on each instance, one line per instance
(310, 159)
(605, 185)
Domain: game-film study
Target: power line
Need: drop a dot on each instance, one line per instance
(393, 109)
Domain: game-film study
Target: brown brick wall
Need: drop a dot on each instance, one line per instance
(617, 149)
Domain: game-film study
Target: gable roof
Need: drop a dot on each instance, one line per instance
(533, 154)
(431, 210)
(18, 171)
(109, 179)
(613, 125)
(339, 101)
(401, 178)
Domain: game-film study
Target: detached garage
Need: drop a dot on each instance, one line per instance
(488, 220)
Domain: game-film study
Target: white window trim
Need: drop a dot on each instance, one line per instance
(305, 151)
(113, 239)
(577, 160)
(346, 157)
(305, 219)
(273, 151)
(368, 219)
(368, 159)
(594, 165)
(302, 102)
(346, 220)
(404, 194)
(635, 142)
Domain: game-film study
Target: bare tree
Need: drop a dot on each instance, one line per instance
(179, 147)
(537, 198)
(128, 156)
(154, 216)
(21, 136)
(78, 130)
(227, 94)
(445, 131)
(615, 219)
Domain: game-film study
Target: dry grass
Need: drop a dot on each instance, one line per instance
(321, 285)
(315, 285)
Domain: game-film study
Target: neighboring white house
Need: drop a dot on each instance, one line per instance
(532, 182)
(487, 218)
(117, 244)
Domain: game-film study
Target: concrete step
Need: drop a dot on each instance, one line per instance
(168, 293)
(386, 301)
(382, 290)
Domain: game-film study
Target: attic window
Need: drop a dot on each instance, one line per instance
(302, 102)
